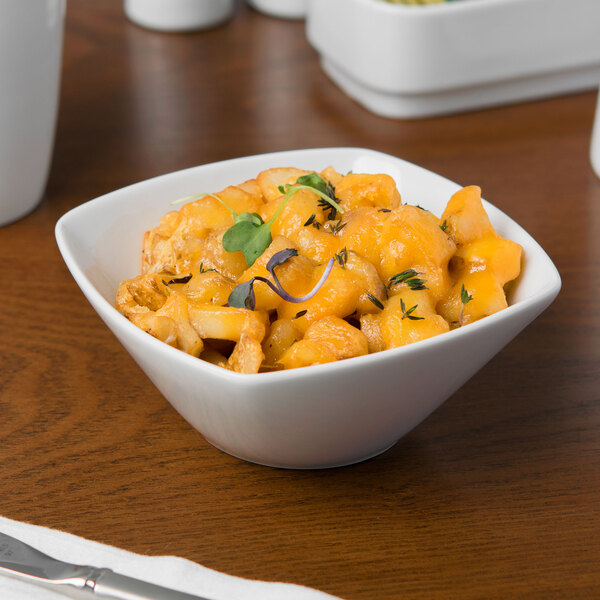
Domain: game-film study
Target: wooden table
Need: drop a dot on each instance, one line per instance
(496, 495)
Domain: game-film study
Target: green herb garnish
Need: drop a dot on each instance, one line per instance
(465, 298)
(337, 227)
(407, 313)
(374, 300)
(444, 225)
(203, 270)
(315, 183)
(409, 277)
(310, 220)
(342, 257)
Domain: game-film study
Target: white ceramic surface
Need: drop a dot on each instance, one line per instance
(31, 37)
(414, 61)
(179, 15)
(595, 144)
(286, 9)
(313, 417)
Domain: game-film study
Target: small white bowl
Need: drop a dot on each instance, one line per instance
(284, 9)
(313, 417)
(405, 61)
(178, 15)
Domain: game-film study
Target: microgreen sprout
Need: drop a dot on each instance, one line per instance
(465, 298)
(243, 295)
(315, 183)
(409, 277)
(407, 313)
(250, 234)
(444, 225)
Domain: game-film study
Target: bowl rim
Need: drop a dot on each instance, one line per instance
(544, 295)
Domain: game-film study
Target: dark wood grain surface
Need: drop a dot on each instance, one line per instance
(496, 495)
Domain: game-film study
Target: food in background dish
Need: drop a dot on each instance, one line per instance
(295, 268)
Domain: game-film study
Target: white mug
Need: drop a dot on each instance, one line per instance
(178, 15)
(595, 146)
(31, 39)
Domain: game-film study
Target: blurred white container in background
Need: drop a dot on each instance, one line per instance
(286, 9)
(595, 147)
(179, 15)
(31, 39)
(404, 61)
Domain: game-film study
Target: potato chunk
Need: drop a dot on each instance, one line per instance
(209, 287)
(270, 180)
(497, 255)
(344, 340)
(306, 353)
(412, 239)
(282, 334)
(356, 190)
(407, 317)
(487, 298)
(247, 355)
(176, 308)
(227, 323)
(338, 297)
(465, 218)
(142, 293)
(326, 340)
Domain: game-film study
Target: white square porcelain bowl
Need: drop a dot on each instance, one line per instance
(406, 61)
(313, 417)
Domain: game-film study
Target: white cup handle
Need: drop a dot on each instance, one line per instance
(595, 145)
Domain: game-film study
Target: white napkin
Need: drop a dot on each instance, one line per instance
(168, 571)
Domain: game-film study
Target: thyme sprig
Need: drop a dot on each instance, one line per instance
(342, 257)
(408, 313)
(243, 296)
(409, 277)
(203, 270)
(465, 298)
(337, 227)
(310, 220)
(376, 301)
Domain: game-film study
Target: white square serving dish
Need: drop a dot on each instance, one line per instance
(312, 417)
(410, 61)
